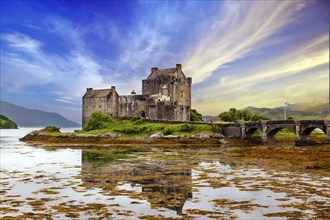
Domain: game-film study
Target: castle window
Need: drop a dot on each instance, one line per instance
(181, 94)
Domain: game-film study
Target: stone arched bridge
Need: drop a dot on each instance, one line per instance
(302, 129)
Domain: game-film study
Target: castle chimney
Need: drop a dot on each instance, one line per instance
(154, 69)
(133, 92)
(113, 88)
(89, 89)
(179, 70)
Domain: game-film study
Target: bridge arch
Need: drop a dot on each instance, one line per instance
(273, 130)
(308, 130)
(320, 137)
(250, 132)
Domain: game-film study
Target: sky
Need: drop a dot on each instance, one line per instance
(238, 53)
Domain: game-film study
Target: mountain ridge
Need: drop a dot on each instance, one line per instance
(25, 117)
(298, 111)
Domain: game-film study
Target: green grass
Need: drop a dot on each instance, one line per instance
(139, 128)
(285, 133)
(52, 129)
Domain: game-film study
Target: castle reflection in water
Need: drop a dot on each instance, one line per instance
(163, 183)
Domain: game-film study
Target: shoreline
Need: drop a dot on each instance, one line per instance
(282, 155)
(100, 141)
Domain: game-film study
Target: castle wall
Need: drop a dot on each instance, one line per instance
(165, 111)
(131, 106)
(152, 86)
(91, 105)
(182, 99)
(113, 102)
(181, 113)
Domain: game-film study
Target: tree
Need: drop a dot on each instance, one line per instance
(246, 115)
(257, 117)
(195, 115)
(234, 115)
(225, 116)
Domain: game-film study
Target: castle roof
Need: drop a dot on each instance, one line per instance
(163, 72)
(99, 93)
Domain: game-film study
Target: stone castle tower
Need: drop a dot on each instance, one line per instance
(166, 95)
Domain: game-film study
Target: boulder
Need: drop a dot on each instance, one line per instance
(155, 136)
(217, 136)
(41, 132)
(201, 136)
(207, 136)
(223, 141)
(171, 137)
(111, 135)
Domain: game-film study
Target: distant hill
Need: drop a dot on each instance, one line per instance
(34, 118)
(299, 111)
(6, 123)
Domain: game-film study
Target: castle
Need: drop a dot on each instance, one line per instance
(166, 95)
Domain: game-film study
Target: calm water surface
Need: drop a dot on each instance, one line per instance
(148, 183)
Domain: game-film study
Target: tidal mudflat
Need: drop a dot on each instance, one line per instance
(145, 182)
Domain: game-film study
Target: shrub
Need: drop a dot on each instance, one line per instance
(168, 131)
(98, 120)
(257, 117)
(52, 129)
(186, 128)
(215, 129)
(195, 115)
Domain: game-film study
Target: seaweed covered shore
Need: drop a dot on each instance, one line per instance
(49, 137)
(280, 154)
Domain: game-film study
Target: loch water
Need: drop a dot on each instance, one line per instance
(145, 182)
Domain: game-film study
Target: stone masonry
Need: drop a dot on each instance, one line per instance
(166, 95)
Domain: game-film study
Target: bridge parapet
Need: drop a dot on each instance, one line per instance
(301, 129)
(277, 122)
(253, 123)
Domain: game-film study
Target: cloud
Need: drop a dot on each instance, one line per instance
(309, 55)
(70, 74)
(240, 28)
(274, 94)
(21, 42)
(299, 75)
(208, 39)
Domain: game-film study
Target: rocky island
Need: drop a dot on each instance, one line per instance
(103, 129)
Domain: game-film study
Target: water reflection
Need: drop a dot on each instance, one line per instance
(165, 184)
(149, 183)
